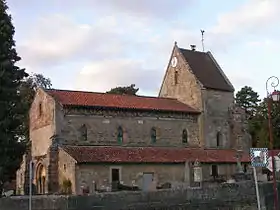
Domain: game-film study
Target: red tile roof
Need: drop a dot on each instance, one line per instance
(80, 98)
(95, 154)
(274, 152)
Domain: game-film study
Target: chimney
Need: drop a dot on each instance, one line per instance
(193, 47)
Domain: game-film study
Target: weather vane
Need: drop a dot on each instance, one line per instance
(202, 39)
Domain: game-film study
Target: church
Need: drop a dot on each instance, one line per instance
(88, 141)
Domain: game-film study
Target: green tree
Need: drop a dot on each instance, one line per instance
(262, 131)
(258, 126)
(248, 99)
(11, 148)
(127, 90)
(27, 89)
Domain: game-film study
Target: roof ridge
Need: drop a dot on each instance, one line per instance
(101, 93)
(195, 51)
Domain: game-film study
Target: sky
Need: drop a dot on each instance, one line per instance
(96, 45)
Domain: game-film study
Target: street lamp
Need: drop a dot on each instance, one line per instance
(274, 97)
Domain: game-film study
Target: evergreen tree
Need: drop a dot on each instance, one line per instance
(128, 90)
(11, 148)
(248, 99)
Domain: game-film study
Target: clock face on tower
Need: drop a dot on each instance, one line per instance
(174, 62)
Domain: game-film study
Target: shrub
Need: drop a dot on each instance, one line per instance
(66, 187)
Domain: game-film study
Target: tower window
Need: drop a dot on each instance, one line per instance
(83, 132)
(185, 136)
(219, 138)
(120, 134)
(176, 77)
(153, 135)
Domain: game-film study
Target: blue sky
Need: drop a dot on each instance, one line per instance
(95, 45)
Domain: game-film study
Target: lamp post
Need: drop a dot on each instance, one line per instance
(274, 97)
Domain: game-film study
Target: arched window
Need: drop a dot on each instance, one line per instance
(83, 132)
(176, 77)
(153, 135)
(41, 179)
(185, 136)
(120, 134)
(219, 138)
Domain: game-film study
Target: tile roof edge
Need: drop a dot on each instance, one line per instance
(192, 110)
(64, 148)
(220, 70)
(101, 93)
(54, 98)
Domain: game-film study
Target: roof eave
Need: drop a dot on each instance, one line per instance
(129, 109)
(218, 89)
(159, 162)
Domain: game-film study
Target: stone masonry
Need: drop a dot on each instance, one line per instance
(102, 128)
(240, 136)
(239, 196)
(42, 123)
(53, 125)
(187, 89)
(215, 118)
(67, 170)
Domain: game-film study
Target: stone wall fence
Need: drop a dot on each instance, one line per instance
(236, 196)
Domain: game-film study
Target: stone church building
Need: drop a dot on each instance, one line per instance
(94, 140)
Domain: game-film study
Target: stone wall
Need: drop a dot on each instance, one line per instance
(187, 89)
(241, 138)
(66, 169)
(102, 127)
(216, 118)
(22, 174)
(129, 174)
(225, 197)
(41, 123)
(100, 174)
(52, 170)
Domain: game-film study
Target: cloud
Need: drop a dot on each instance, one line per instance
(265, 45)
(56, 39)
(144, 9)
(251, 16)
(110, 52)
(133, 44)
(250, 20)
(147, 8)
(104, 75)
(52, 39)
